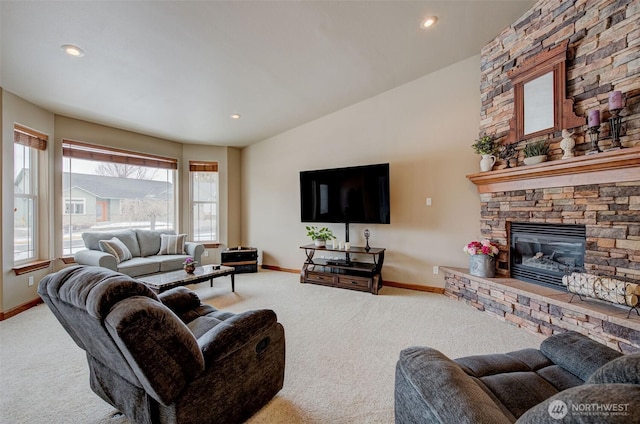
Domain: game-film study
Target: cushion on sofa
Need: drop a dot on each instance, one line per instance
(149, 241)
(559, 378)
(588, 404)
(128, 237)
(116, 248)
(521, 360)
(625, 369)
(135, 267)
(168, 262)
(171, 244)
(577, 354)
(519, 391)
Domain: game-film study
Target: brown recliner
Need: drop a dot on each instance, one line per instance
(167, 358)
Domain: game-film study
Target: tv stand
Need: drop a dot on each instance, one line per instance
(341, 262)
(344, 273)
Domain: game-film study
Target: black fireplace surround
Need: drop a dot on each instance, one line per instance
(541, 253)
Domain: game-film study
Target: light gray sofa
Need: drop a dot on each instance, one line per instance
(144, 246)
(571, 379)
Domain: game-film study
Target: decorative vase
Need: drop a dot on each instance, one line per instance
(567, 144)
(189, 269)
(532, 160)
(487, 162)
(482, 266)
(320, 243)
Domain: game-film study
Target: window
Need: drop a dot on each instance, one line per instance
(108, 189)
(74, 206)
(204, 201)
(27, 144)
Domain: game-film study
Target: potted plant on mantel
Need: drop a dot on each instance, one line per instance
(320, 236)
(535, 152)
(487, 147)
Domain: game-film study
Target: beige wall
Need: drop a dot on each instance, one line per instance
(228, 159)
(15, 289)
(424, 129)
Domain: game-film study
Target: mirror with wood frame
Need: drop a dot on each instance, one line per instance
(540, 103)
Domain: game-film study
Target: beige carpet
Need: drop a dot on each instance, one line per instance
(342, 347)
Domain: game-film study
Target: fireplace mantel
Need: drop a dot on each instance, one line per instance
(607, 167)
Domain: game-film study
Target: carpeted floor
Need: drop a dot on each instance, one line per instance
(342, 347)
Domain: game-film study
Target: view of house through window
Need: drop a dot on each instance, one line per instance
(25, 214)
(26, 148)
(204, 201)
(106, 190)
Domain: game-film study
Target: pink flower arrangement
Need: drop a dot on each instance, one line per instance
(482, 247)
(189, 261)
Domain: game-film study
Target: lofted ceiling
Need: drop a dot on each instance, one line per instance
(179, 69)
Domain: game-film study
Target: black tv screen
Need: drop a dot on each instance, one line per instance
(358, 194)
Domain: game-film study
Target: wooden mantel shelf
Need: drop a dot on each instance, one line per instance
(607, 167)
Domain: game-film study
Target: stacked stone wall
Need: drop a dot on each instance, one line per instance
(546, 315)
(603, 55)
(610, 212)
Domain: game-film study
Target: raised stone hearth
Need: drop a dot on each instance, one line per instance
(545, 310)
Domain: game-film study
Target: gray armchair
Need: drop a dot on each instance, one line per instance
(568, 372)
(167, 358)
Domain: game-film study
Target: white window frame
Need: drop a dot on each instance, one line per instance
(72, 149)
(195, 204)
(32, 214)
(75, 201)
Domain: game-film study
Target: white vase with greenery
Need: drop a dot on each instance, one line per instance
(319, 235)
(487, 147)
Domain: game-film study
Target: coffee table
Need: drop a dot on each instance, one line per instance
(168, 280)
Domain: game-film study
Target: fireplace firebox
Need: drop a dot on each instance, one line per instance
(541, 253)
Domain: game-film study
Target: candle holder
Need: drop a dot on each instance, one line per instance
(615, 122)
(594, 136)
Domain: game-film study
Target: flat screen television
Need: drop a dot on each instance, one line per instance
(358, 194)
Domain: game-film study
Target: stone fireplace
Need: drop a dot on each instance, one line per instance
(600, 192)
(597, 196)
(543, 253)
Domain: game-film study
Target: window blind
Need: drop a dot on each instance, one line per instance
(80, 150)
(30, 138)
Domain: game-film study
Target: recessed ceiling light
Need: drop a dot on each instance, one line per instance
(72, 50)
(429, 22)
(235, 116)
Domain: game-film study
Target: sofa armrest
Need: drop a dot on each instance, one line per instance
(235, 332)
(432, 388)
(180, 299)
(96, 258)
(195, 250)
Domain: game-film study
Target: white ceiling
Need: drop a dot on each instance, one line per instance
(178, 69)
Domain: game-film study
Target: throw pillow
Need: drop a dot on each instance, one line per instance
(116, 248)
(172, 244)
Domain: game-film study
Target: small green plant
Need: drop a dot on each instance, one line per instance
(320, 234)
(485, 145)
(538, 148)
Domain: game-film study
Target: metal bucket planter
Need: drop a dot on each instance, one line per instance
(482, 266)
